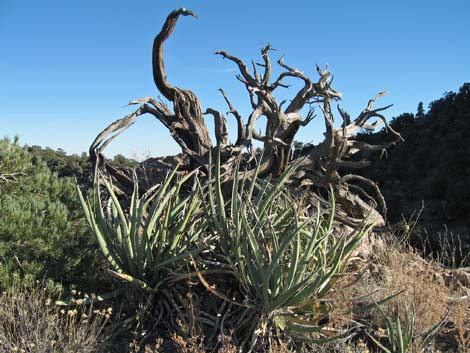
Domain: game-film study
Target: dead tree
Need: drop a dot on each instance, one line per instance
(320, 168)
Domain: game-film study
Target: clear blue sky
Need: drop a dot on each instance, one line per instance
(68, 67)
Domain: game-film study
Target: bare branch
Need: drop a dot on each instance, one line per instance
(310, 116)
(320, 89)
(275, 141)
(373, 100)
(247, 78)
(220, 126)
(255, 71)
(250, 126)
(150, 100)
(119, 126)
(267, 64)
(159, 73)
(236, 114)
(363, 146)
(371, 184)
(293, 72)
(353, 164)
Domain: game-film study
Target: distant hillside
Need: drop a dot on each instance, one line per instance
(78, 166)
(432, 166)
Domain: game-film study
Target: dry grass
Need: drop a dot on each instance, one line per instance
(29, 322)
(460, 317)
(389, 268)
(428, 293)
(225, 345)
(148, 348)
(424, 291)
(180, 344)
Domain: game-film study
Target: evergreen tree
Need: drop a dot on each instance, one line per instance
(42, 229)
(420, 110)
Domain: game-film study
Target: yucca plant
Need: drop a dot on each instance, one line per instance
(159, 230)
(285, 255)
(402, 339)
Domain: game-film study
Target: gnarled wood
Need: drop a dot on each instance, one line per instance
(187, 121)
(321, 167)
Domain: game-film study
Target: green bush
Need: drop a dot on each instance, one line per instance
(43, 233)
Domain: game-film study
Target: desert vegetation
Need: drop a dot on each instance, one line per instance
(231, 248)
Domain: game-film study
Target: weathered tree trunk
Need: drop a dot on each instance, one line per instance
(187, 120)
(320, 168)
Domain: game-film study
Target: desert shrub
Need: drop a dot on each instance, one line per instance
(29, 322)
(43, 233)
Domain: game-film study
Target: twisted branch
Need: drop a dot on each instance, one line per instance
(159, 73)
